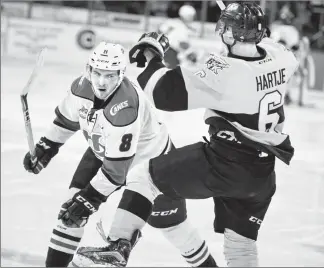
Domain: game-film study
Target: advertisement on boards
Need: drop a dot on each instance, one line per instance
(29, 36)
(66, 43)
(59, 13)
(116, 19)
(15, 9)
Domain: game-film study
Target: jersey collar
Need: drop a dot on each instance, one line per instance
(262, 52)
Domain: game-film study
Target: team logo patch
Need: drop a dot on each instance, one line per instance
(216, 64)
(83, 112)
(117, 107)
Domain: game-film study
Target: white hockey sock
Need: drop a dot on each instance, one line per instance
(186, 238)
(239, 251)
(124, 225)
(65, 239)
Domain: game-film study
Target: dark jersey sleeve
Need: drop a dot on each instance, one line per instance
(166, 87)
(179, 88)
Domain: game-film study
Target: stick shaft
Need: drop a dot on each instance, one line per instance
(24, 102)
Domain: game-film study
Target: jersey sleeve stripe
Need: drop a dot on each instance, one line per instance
(119, 158)
(63, 122)
(166, 147)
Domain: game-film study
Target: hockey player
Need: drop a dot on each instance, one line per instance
(122, 129)
(243, 94)
(178, 32)
(284, 31)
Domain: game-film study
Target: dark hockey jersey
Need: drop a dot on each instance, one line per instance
(243, 94)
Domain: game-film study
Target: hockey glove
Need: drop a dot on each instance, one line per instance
(156, 43)
(45, 150)
(75, 212)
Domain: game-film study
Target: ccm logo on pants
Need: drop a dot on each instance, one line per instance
(256, 220)
(164, 213)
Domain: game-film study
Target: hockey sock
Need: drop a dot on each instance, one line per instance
(192, 247)
(209, 262)
(63, 244)
(239, 251)
(131, 215)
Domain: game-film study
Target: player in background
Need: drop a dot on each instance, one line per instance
(122, 129)
(286, 33)
(179, 31)
(243, 94)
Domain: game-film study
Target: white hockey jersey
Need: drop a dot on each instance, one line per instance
(241, 93)
(123, 131)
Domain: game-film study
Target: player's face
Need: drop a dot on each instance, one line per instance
(222, 29)
(104, 82)
(228, 35)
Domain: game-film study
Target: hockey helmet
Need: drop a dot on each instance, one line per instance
(247, 21)
(187, 12)
(285, 15)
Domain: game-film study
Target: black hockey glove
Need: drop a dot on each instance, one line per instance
(155, 42)
(75, 212)
(45, 150)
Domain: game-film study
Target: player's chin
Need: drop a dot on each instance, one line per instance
(101, 93)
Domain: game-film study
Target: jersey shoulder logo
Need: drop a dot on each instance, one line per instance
(83, 112)
(123, 107)
(117, 107)
(216, 64)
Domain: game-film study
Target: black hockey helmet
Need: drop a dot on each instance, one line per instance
(246, 19)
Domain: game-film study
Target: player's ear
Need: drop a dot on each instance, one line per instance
(88, 70)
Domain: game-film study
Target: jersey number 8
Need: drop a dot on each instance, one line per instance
(125, 142)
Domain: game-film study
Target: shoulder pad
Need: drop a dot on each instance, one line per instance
(81, 87)
(122, 110)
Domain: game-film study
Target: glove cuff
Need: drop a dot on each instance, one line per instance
(51, 143)
(93, 195)
(50, 147)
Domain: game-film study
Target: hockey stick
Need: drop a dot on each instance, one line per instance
(23, 98)
(221, 5)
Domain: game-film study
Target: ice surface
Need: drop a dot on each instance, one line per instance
(292, 233)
